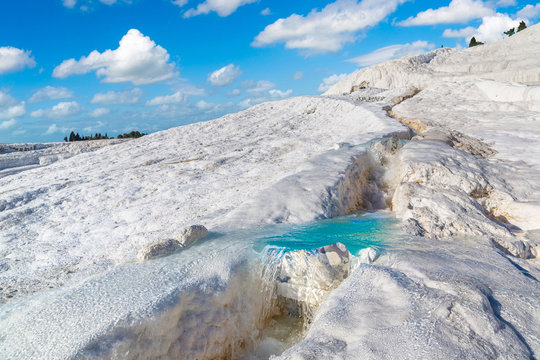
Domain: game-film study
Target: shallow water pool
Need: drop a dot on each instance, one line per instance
(356, 231)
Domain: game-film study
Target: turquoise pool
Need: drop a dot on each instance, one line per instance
(357, 232)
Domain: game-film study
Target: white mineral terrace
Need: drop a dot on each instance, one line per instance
(458, 280)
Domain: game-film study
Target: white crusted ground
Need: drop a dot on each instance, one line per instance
(95, 211)
(15, 158)
(466, 188)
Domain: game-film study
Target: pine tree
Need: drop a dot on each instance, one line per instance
(510, 32)
(72, 136)
(522, 26)
(473, 42)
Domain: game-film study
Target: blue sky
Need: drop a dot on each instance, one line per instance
(117, 65)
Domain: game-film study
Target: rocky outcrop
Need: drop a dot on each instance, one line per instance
(158, 248)
(304, 278)
(184, 238)
(190, 235)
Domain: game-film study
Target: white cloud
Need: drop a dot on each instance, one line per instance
(8, 124)
(61, 110)
(466, 33)
(138, 60)
(222, 7)
(10, 107)
(529, 12)
(262, 91)
(266, 12)
(234, 93)
(13, 59)
(491, 29)
(259, 86)
(331, 80)
(298, 75)
(91, 129)
(50, 93)
(458, 11)
(327, 29)
(99, 112)
(392, 52)
(118, 97)
(179, 2)
(55, 129)
(505, 3)
(178, 97)
(224, 76)
(69, 3)
(275, 93)
(204, 106)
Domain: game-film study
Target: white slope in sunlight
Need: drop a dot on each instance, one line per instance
(514, 59)
(96, 210)
(489, 92)
(15, 158)
(506, 116)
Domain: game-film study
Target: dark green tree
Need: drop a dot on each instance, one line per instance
(473, 42)
(510, 32)
(522, 26)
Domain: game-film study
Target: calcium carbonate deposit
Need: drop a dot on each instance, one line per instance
(449, 141)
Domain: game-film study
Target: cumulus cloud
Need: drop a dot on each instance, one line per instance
(137, 59)
(262, 91)
(259, 86)
(505, 3)
(178, 97)
(8, 124)
(234, 93)
(222, 7)
(61, 110)
(275, 93)
(71, 3)
(10, 107)
(50, 93)
(179, 2)
(491, 29)
(118, 97)
(328, 29)
(99, 112)
(13, 59)
(53, 129)
(91, 129)
(529, 12)
(224, 76)
(466, 33)
(458, 11)
(392, 52)
(331, 80)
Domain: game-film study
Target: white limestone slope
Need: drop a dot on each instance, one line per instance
(94, 211)
(15, 158)
(515, 59)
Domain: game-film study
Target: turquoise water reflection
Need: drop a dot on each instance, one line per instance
(355, 231)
